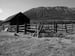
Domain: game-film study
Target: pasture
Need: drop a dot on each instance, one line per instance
(11, 45)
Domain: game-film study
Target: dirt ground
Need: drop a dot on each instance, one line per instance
(11, 45)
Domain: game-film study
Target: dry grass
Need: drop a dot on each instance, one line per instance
(17, 46)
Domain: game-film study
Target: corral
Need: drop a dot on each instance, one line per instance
(42, 30)
(39, 27)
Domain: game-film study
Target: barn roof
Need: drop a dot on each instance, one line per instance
(11, 17)
(18, 18)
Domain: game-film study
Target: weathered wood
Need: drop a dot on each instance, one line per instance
(66, 27)
(24, 28)
(17, 28)
(55, 27)
(72, 26)
(36, 28)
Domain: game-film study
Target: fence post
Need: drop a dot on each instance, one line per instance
(66, 28)
(17, 30)
(24, 28)
(72, 27)
(55, 26)
(37, 30)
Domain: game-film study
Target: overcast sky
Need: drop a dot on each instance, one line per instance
(10, 7)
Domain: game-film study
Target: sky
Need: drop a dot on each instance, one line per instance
(10, 7)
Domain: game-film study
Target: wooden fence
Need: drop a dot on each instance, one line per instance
(26, 29)
(37, 29)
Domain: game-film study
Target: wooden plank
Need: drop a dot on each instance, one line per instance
(21, 27)
(66, 28)
(24, 28)
(21, 31)
(55, 26)
(17, 29)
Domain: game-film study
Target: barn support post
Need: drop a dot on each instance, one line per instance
(17, 30)
(25, 27)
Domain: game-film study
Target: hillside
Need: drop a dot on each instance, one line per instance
(52, 13)
(49, 13)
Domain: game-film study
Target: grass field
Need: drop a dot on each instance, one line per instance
(11, 45)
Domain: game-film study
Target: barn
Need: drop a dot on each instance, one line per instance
(16, 20)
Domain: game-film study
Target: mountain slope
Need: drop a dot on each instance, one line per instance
(52, 13)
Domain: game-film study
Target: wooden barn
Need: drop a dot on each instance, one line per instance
(16, 20)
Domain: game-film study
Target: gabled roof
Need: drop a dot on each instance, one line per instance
(10, 17)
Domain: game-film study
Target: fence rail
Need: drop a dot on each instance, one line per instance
(38, 28)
